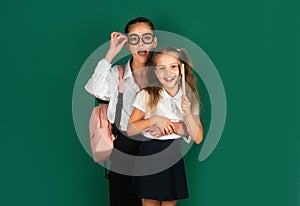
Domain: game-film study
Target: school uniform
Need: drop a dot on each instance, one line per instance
(104, 85)
(168, 182)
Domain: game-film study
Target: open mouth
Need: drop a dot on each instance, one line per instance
(142, 53)
(169, 79)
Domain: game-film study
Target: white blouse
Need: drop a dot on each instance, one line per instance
(168, 106)
(104, 85)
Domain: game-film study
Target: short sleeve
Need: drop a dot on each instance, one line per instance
(141, 100)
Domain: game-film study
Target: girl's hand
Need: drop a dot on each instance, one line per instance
(117, 41)
(164, 125)
(185, 106)
(155, 131)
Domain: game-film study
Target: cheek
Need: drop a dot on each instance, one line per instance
(149, 47)
(177, 73)
(131, 48)
(158, 75)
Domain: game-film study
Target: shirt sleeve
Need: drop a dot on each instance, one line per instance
(101, 83)
(141, 100)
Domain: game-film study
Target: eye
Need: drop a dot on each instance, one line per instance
(148, 37)
(161, 69)
(133, 38)
(174, 67)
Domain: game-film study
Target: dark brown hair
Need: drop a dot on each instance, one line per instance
(138, 20)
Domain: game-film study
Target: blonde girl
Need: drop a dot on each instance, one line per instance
(175, 115)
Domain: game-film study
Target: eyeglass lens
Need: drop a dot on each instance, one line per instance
(134, 39)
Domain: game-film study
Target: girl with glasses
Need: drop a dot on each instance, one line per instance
(140, 41)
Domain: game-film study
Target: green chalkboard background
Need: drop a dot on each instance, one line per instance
(255, 45)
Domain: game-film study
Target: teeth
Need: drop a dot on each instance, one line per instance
(169, 78)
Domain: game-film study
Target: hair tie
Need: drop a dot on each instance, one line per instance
(178, 49)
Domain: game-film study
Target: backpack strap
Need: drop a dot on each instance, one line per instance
(121, 80)
(119, 106)
(115, 130)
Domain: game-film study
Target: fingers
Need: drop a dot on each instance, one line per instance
(185, 99)
(115, 34)
(156, 133)
(161, 126)
(118, 37)
(168, 129)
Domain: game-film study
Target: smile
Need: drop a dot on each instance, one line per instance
(169, 79)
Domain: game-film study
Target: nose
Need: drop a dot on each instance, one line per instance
(168, 70)
(141, 43)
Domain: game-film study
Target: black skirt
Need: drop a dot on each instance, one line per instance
(169, 182)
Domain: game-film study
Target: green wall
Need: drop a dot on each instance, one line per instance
(255, 45)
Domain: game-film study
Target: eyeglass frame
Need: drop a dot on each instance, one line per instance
(139, 38)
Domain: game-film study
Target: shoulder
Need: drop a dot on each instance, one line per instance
(153, 90)
(142, 94)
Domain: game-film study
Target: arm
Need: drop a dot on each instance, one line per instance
(194, 128)
(117, 41)
(180, 129)
(99, 83)
(137, 123)
(193, 123)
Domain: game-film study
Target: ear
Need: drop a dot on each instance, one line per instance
(155, 42)
(127, 46)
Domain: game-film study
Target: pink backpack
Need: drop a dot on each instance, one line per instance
(100, 129)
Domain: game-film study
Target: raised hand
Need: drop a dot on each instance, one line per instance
(117, 41)
(185, 106)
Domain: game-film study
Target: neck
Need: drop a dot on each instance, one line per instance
(139, 73)
(136, 65)
(172, 91)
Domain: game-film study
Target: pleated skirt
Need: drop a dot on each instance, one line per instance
(169, 181)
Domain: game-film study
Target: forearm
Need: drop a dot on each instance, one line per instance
(180, 129)
(194, 128)
(110, 55)
(137, 127)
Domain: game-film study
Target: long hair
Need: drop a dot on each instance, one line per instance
(154, 90)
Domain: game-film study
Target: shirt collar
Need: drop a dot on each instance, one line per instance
(128, 72)
(167, 96)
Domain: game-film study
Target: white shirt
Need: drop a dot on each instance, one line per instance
(104, 85)
(168, 106)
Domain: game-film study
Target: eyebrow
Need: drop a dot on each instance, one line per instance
(165, 65)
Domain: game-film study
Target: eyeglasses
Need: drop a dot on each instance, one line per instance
(172, 68)
(134, 39)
